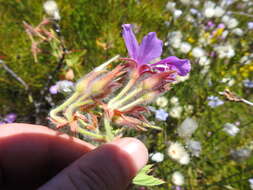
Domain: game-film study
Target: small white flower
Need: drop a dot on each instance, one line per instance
(205, 69)
(185, 47)
(251, 183)
(196, 3)
(240, 154)
(209, 12)
(162, 101)
(204, 61)
(231, 129)
(225, 3)
(177, 178)
(157, 157)
(177, 152)
(198, 52)
(209, 4)
(187, 128)
(174, 100)
(194, 147)
(190, 18)
(186, 2)
(225, 19)
(218, 11)
(56, 15)
(171, 6)
(177, 13)
(176, 43)
(224, 34)
(232, 23)
(65, 86)
(51, 9)
(185, 159)
(229, 21)
(176, 111)
(246, 59)
(229, 81)
(209, 9)
(225, 51)
(152, 109)
(175, 34)
(238, 31)
(188, 109)
(203, 41)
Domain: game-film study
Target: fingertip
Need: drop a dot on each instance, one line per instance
(136, 150)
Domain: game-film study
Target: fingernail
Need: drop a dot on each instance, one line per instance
(135, 149)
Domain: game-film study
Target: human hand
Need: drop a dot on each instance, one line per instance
(33, 156)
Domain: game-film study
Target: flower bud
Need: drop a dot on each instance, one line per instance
(83, 84)
(156, 81)
(104, 83)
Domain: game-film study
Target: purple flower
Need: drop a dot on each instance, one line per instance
(214, 101)
(63, 86)
(176, 187)
(150, 49)
(210, 24)
(221, 25)
(248, 83)
(161, 115)
(1, 123)
(53, 89)
(10, 118)
(250, 25)
(194, 11)
(181, 66)
(228, 2)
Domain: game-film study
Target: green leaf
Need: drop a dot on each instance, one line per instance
(56, 48)
(144, 179)
(75, 58)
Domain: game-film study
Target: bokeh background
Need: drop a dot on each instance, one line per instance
(216, 36)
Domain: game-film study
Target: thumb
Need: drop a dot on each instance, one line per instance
(109, 167)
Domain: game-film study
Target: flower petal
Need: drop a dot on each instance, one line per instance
(150, 48)
(130, 41)
(182, 66)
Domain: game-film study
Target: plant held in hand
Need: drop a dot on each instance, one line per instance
(118, 97)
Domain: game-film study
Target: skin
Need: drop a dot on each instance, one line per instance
(36, 157)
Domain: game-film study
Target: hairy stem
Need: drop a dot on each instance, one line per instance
(69, 113)
(125, 99)
(53, 113)
(123, 91)
(108, 130)
(88, 133)
(132, 104)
